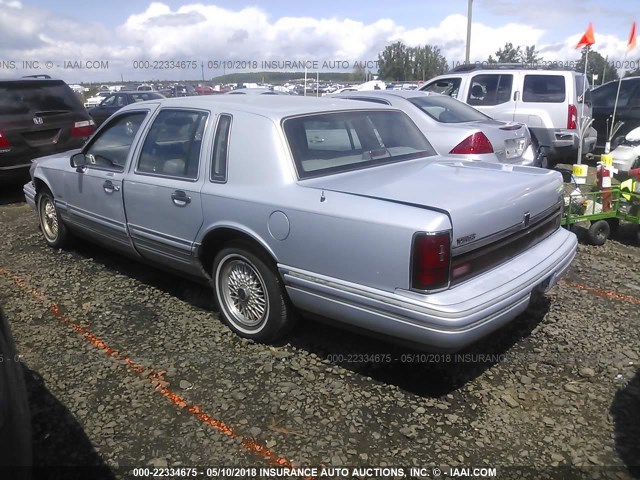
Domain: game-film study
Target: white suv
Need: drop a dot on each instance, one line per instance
(549, 102)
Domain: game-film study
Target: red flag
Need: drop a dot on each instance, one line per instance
(588, 38)
(632, 38)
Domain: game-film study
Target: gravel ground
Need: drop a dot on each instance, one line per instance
(129, 366)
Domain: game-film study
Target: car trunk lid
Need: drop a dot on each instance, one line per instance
(485, 201)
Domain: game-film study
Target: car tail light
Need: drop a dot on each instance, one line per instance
(431, 260)
(474, 144)
(572, 117)
(4, 143)
(83, 128)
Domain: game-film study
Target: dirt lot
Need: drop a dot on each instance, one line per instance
(128, 366)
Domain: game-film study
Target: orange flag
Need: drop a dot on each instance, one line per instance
(632, 38)
(588, 38)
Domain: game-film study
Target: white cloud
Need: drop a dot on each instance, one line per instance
(208, 32)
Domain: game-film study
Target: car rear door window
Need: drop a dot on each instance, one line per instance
(544, 89)
(221, 149)
(173, 144)
(490, 89)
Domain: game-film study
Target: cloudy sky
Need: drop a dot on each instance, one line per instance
(117, 38)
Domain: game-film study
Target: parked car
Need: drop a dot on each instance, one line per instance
(455, 128)
(38, 116)
(342, 209)
(15, 420)
(116, 101)
(96, 99)
(627, 111)
(549, 102)
(256, 91)
(626, 155)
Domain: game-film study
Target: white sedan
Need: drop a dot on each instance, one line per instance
(455, 128)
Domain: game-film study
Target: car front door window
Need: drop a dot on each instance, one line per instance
(110, 148)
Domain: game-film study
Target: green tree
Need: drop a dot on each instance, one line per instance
(633, 73)
(597, 65)
(508, 54)
(511, 54)
(530, 55)
(401, 63)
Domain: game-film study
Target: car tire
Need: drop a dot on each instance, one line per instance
(599, 232)
(53, 228)
(540, 160)
(250, 294)
(15, 429)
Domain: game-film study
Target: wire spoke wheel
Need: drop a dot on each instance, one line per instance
(243, 292)
(49, 219)
(250, 294)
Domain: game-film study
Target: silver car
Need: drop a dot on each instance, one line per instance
(455, 128)
(291, 204)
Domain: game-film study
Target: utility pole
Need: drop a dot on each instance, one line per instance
(468, 49)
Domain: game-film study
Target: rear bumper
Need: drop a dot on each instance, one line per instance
(564, 143)
(445, 321)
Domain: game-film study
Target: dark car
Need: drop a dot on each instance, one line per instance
(117, 100)
(627, 111)
(15, 419)
(38, 117)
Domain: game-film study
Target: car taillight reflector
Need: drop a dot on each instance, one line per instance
(474, 144)
(83, 128)
(4, 143)
(572, 117)
(431, 260)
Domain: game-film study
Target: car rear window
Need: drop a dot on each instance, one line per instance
(28, 97)
(543, 89)
(445, 109)
(329, 143)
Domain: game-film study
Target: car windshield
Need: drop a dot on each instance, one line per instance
(329, 143)
(445, 109)
(29, 97)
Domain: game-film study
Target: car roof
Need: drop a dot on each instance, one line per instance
(271, 106)
(625, 79)
(387, 93)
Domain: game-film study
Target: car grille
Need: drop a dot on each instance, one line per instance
(489, 256)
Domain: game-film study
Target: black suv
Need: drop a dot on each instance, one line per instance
(627, 111)
(38, 116)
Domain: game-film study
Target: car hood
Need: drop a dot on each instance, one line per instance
(481, 198)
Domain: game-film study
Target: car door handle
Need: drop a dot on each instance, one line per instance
(180, 198)
(109, 187)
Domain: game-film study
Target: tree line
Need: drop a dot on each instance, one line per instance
(401, 63)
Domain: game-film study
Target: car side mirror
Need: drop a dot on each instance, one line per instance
(78, 161)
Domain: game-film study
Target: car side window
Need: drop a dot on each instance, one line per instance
(173, 144)
(109, 101)
(490, 89)
(445, 86)
(110, 148)
(605, 96)
(221, 149)
(544, 89)
(121, 101)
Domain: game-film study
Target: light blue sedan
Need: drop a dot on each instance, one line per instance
(336, 208)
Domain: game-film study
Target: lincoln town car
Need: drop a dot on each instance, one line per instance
(289, 206)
